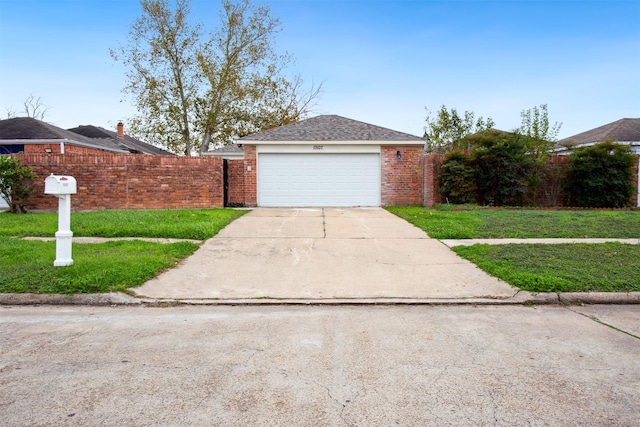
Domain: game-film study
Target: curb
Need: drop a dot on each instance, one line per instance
(520, 298)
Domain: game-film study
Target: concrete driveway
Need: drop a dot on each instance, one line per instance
(320, 254)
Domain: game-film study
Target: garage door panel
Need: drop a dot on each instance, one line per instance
(318, 179)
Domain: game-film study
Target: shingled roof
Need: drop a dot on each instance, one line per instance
(623, 130)
(330, 128)
(24, 129)
(131, 144)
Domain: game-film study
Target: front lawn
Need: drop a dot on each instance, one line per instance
(198, 224)
(477, 223)
(583, 267)
(27, 266)
(610, 267)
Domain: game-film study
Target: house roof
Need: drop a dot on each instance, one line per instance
(231, 148)
(25, 129)
(132, 144)
(20, 130)
(331, 128)
(623, 130)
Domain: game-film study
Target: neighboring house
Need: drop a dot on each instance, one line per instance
(28, 135)
(132, 145)
(31, 136)
(229, 152)
(623, 131)
(330, 160)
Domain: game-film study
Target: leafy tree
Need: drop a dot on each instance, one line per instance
(448, 128)
(601, 176)
(15, 183)
(195, 88)
(540, 137)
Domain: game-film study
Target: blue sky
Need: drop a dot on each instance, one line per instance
(381, 61)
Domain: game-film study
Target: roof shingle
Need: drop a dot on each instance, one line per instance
(330, 128)
(129, 143)
(623, 130)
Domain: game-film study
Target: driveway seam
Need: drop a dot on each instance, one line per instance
(324, 224)
(595, 319)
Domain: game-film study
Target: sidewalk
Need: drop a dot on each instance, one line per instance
(469, 242)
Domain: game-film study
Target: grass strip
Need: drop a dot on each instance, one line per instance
(443, 222)
(606, 267)
(198, 224)
(27, 266)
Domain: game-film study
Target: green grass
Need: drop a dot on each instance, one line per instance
(179, 224)
(27, 266)
(474, 222)
(607, 267)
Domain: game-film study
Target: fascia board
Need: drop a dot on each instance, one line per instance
(57, 141)
(321, 142)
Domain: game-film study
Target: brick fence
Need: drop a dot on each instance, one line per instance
(135, 181)
(402, 175)
(550, 192)
(126, 181)
(242, 179)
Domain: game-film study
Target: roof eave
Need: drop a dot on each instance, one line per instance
(57, 141)
(224, 155)
(333, 142)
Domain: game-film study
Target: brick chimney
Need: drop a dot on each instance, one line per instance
(120, 130)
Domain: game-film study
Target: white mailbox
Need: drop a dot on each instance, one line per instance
(60, 184)
(62, 187)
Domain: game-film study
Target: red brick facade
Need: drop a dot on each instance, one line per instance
(402, 175)
(242, 179)
(130, 181)
(134, 181)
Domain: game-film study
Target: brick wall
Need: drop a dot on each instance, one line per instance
(55, 149)
(130, 181)
(251, 176)
(403, 176)
(550, 192)
(432, 167)
(242, 182)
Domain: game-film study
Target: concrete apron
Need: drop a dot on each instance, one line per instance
(324, 254)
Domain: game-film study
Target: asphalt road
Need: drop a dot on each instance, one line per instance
(317, 366)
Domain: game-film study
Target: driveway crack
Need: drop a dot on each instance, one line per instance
(324, 225)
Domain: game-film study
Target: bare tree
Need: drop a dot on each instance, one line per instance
(32, 107)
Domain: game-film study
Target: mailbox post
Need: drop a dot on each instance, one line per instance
(62, 187)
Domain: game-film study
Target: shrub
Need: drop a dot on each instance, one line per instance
(457, 178)
(601, 176)
(502, 169)
(15, 183)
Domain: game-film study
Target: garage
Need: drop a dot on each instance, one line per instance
(327, 160)
(313, 179)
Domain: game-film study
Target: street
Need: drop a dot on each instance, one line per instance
(320, 366)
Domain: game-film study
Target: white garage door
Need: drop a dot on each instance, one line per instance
(327, 179)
